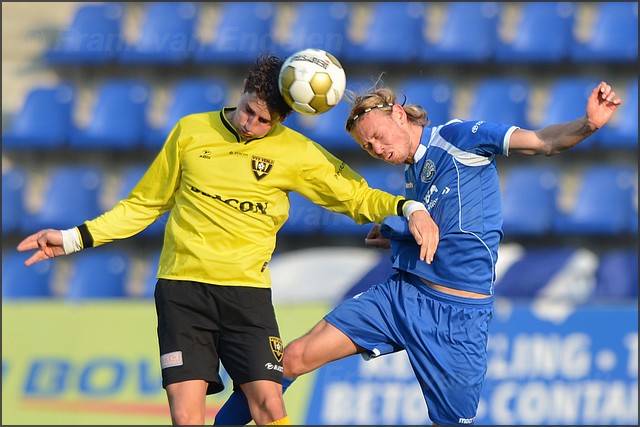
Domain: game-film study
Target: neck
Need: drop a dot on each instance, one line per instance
(415, 132)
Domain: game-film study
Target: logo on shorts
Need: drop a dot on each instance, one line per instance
(272, 367)
(276, 347)
(172, 359)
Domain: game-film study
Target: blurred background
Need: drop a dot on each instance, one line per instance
(91, 90)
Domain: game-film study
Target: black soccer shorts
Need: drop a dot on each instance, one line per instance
(202, 325)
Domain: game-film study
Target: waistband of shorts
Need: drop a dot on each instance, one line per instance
(441, 296)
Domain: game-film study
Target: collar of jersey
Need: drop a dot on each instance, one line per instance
(233, 130)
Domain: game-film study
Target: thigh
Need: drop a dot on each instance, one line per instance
(369, 319)
(187, 333)
(324, 343)
(250, 345)
(448, 355)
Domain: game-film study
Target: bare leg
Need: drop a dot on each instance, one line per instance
(265, 401)
(187, 402)
(324, 343)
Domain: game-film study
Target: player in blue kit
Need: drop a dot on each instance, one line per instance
(438, 310)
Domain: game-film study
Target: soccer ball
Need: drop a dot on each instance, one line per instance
(312, 81)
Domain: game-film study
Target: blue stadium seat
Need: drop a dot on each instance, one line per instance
(304, 217)
(150, 279)
(613, 35)
(189, 95)
(14, 187)
(98, 273)
(93, 36)
(394, 34)
(543, 34)
(44, 121)
(320, 25)
(243, 32)
(167, 35)
(566, 101)
(603, 202)
(130, 178)
(622, 131)
(118, 118)
(435, 95)
(527, 276)
(72, 196)
(468, 35)
(379, 175)
(503, 100)
(617, 275)
(633, 219)
(529, 200)
(21, 282)
(327, 128)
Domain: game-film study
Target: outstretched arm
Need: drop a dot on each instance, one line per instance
(556, 138)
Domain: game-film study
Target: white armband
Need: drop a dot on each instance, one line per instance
(411, 206)
(71, 241)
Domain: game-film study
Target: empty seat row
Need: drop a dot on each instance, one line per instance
(568, 274)
(120, 116)
(102, 272)
(605, 202)
(119, 119)
(72, 195)
(170, 33)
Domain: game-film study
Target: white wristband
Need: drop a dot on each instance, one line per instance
(411, 206)
(71, 241)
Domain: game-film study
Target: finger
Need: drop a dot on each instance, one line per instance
(424, 249)
(433, 246)
(29, 243)
(378, 243)
(38, 256)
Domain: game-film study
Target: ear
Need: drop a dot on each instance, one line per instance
(398, 113)
(282, 118)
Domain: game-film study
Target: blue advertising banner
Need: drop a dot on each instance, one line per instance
(548, 365)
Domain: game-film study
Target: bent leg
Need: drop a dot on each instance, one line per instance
(324, 343)
(187, 402)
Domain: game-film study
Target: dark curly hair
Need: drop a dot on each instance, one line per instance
(263, 81)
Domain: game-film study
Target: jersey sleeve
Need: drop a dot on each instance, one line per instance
(479, 137)
(150, 198)
(331, 183)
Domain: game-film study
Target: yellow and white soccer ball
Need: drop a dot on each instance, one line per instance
(312, 81)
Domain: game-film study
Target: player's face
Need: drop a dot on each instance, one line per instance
(382, 136)
(252, 118)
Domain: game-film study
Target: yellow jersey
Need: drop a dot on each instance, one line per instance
(228, 198)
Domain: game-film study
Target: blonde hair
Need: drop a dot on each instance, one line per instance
(382, 98)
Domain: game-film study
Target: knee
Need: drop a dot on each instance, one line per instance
(183, 418)
(293, 360)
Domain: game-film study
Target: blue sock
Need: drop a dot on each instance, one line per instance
(235, 410)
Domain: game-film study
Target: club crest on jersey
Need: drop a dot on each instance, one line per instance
(427, 172)
(276, 347)
(261, 166)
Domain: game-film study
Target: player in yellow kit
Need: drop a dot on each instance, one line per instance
(225, 177)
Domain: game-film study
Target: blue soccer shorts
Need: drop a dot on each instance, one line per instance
(445, 338)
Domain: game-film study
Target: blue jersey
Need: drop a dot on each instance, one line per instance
(454, 174)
